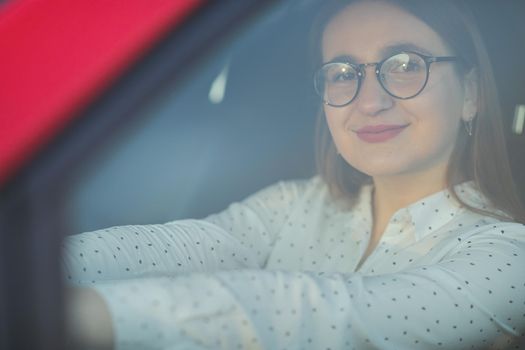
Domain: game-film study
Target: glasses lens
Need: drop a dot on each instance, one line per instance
(404, 75)
(337, 83)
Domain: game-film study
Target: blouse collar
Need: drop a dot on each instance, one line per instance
(427, 214)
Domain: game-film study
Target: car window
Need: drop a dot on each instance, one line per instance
(242, 119)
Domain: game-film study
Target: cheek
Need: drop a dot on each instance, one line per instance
(435, 127)
(443, 96)
(439, 108)
(332, 115)
(333, 121)
(340, 118)
(436, 133)
(337, 124)
(346, 143)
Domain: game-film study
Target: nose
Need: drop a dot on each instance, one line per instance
(372, 98)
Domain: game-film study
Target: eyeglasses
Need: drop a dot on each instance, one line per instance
(403, 76)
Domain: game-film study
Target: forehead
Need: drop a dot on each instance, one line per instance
(366, 30)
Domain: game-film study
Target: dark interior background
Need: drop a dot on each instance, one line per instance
(189, 157)
(503, 27)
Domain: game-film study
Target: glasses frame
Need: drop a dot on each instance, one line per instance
(361, 74)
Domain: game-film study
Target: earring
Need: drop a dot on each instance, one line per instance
(468, 126)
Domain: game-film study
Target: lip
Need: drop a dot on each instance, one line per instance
(380, 133)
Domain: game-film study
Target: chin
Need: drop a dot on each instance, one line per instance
(381, 167)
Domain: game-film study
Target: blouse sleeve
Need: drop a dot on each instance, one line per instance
(474, 298)
(239, 237)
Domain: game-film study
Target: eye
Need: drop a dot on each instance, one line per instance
(404, 63)
(344, 76)
(340, 73)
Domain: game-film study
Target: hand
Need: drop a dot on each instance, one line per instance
(88, 320)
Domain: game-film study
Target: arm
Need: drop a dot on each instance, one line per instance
(239, 237)
(475, 297)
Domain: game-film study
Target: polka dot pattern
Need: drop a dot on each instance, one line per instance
(280, 271)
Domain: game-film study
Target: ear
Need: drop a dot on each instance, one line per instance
(471, 95)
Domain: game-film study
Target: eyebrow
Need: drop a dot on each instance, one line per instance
(404, 46)
(388, 50)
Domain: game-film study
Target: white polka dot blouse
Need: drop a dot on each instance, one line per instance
(280, 270)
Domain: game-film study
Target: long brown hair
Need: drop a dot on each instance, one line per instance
(481, 158)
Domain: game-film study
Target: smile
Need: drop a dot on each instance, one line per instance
(379, 133)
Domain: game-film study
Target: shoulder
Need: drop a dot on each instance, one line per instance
(491, 234)
(494, 227)
(470, 194)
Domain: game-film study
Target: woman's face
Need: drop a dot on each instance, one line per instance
(427, 125)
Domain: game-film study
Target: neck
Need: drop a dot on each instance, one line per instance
(395, 192)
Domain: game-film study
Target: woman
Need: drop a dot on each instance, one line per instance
(409, 239)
